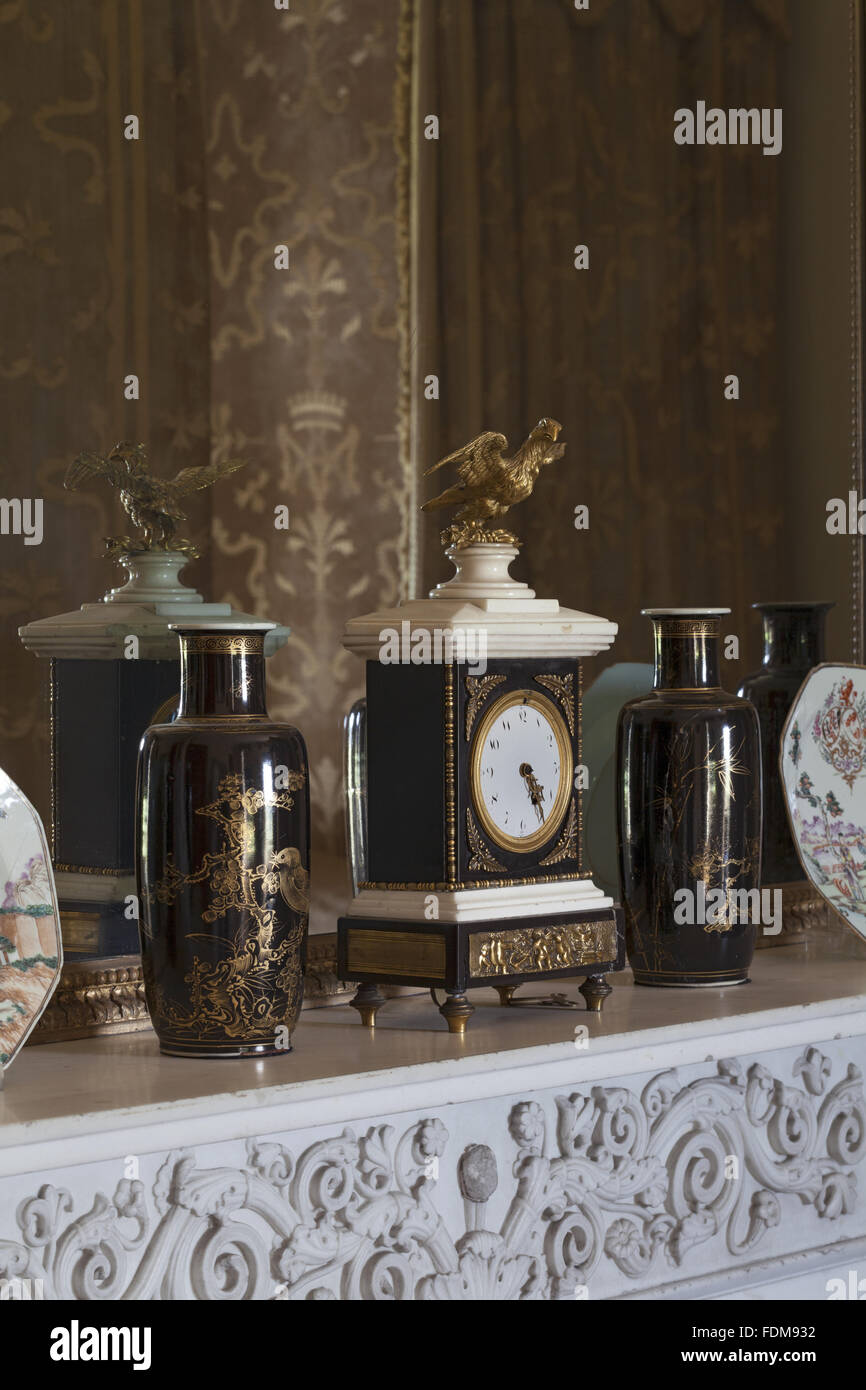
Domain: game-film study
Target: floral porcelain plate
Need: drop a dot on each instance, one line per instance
(823, 766)
(31, 953)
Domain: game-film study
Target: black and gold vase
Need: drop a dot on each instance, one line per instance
(793, 644)
(223, 856)
(689, 813)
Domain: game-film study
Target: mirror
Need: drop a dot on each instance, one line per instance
(411, 258)
(640, 220)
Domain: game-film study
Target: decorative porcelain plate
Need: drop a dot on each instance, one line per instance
(31, 953)
(823, 766)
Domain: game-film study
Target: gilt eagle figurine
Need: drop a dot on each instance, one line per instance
(152, 504)
(490, 483)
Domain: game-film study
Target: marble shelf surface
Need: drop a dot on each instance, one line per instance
(89, 1096)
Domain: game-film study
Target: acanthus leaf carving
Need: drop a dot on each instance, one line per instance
(612, 1176)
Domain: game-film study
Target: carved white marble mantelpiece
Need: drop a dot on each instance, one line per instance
(705, 1144)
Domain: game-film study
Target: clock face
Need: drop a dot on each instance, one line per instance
(521, 771)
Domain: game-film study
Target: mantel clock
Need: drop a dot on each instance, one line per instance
(475, 872)
(114, 671)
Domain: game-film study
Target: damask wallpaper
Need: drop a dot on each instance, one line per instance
(259, 127)
(305, 371)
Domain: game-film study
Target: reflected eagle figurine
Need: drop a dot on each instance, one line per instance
(490, 483)
(152, 504)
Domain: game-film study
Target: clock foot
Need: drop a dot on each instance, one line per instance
(595, 990)
(506, 993)
(456, 1012)
(367, 999)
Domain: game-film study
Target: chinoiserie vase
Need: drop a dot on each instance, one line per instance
(223, 856)
(793, 644)
(689, 813)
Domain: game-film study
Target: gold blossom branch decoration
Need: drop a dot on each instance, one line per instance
(254, 985)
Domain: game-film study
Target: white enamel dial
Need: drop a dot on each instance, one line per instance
(521, 770)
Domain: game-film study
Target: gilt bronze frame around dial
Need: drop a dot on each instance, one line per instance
(520, 699)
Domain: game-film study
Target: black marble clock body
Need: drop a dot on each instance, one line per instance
(99, 711)
(422, 824)
(427, 832)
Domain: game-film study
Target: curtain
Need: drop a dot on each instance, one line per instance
(556, 130)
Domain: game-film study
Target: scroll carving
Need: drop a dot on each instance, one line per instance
(601, 1175)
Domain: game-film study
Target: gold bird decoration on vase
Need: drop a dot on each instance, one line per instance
(152, 504)
(293, 879)
(490, 484)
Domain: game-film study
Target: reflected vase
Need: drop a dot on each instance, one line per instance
(689, 813)
(223, 856)
(793, 644)
(355, 791)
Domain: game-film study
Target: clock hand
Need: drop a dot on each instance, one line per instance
(536, 791)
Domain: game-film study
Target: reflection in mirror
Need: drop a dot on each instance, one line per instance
(569, 258)
(687, 309)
